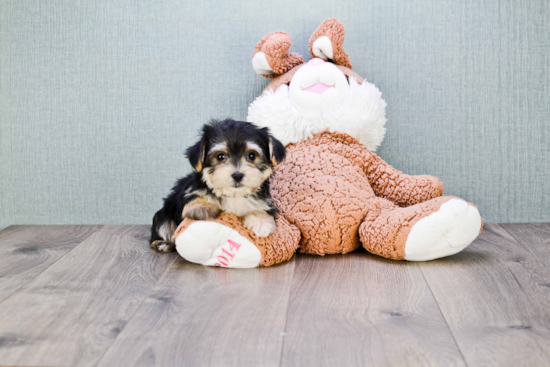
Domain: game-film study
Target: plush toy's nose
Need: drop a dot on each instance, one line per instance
(316, 62)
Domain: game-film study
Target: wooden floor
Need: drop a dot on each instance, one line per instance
(98, 296)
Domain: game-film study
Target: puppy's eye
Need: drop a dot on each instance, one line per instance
(251, 156)
(221, 157)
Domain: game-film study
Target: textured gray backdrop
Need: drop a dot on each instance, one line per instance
(100, 98)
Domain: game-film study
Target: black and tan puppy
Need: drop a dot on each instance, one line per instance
(233, 161)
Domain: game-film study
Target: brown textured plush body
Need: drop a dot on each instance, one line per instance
(329, 185)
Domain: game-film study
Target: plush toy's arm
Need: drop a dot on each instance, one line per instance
(386, 181)
(399, 188)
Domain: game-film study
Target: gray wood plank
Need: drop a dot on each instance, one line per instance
(496, 300)
(203, 316)
(26, 251)
(361, 310)
(535, 237)
(72, 312)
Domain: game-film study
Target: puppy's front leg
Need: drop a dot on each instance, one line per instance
(201, 209)
(259, 222)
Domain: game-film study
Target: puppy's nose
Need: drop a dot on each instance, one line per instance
(316, 62)
(237, 176)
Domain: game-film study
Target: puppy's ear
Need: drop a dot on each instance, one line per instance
(277, 151)
(195, 154)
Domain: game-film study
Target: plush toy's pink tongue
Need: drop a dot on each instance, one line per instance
(318, 88)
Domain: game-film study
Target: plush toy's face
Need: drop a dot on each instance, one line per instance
(318, 87)
(323, 94)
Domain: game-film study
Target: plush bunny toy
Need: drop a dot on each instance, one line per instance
(333, 193)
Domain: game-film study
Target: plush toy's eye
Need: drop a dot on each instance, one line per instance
(251, 156)
(221, 157)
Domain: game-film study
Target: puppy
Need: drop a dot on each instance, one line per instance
(232, 163)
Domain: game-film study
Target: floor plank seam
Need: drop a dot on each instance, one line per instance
(520, 243)
(52, 264)
(137, 309)
(443, 316)
(287, 309)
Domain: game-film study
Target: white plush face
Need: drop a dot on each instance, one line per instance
(319, 98)
(318, 87)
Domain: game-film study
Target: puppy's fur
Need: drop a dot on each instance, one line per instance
(233, 161)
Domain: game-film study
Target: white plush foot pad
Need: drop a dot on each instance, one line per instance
(213, 244)
(443, 233)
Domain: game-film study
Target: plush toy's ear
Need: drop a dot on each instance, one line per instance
(277, 151)
(326, 43)
(196, 154)
(271, 58)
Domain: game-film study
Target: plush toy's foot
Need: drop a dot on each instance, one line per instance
(214, 244)
(430, 230)
(227, 243)
(446, 232)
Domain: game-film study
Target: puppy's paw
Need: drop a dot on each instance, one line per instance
(202, 211)
(261, 223)
(163, 246)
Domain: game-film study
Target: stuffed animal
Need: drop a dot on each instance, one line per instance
(333, 193)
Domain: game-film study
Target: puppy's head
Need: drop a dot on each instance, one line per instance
(235, 157)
